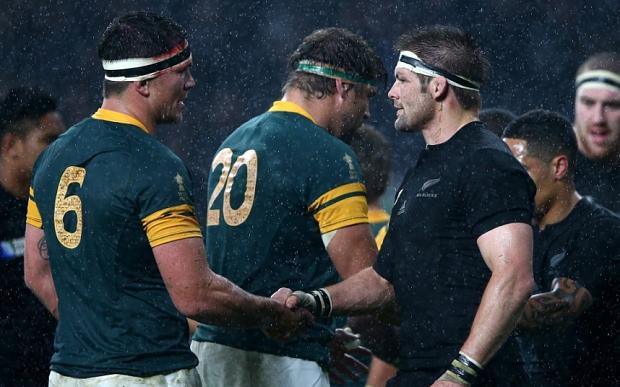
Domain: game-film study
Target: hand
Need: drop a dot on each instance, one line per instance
(287, 323)
(341, 347)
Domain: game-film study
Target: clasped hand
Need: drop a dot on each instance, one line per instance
(292, 321)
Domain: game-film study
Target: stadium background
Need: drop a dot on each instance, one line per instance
(240, 50)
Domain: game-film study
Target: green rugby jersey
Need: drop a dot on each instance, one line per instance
(276, 185)
(105, 193)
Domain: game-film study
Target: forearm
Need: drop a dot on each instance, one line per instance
(37, 269)
(222, 303)
(360, 294)
(501, 306)
(556, 308)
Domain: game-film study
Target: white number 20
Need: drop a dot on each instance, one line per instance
(233, 217)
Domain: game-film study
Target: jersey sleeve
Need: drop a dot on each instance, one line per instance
(165, 203)
(33, 217)
(336, 190)
(496, 191)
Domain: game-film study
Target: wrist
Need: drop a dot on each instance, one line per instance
(463, 370)
(319, 302)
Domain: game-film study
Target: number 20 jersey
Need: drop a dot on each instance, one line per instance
(276, 185)
(105, 193)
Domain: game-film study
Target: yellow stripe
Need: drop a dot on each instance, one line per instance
(347, 212)
(381, 236)
(338, 192)
(378, 216)
(286, 106)
(171, 224)
(110, 115)
(341, 213)
(33, 216)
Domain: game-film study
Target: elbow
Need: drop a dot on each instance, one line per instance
(524, 288)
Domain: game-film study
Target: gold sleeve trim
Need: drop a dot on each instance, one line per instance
(171, 224)
(381, 236)
(33, 217)
(341, 207)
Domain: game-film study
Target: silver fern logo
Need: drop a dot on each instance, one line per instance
(425, 186)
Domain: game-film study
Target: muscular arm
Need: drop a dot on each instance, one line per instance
(507, 250)
(37, 270)
(204, 296)
(566, 301)
(359, 294)
(352, 249)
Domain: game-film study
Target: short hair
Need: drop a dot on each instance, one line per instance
(496, 119)
(22, 108)
(609, 61)
(137, 35)
(548, 134)
(451, 49)
(375, 157)
(339, 48)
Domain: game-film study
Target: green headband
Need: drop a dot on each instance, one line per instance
(331, 72)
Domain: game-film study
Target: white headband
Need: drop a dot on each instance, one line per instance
(140, 69)
(410, 61)
(599, 79)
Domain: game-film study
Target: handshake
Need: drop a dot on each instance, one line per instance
(295, 311)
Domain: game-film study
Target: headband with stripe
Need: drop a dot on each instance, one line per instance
(598, 79)
(329, 71)
(410, 61)
(140, 69)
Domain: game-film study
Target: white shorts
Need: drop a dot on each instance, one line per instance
(188, 377)
(223, 366)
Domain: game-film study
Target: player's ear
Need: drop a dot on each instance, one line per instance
(560, 167)
(438, 88)
(141, 87)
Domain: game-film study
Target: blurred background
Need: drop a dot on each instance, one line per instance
(240, 50)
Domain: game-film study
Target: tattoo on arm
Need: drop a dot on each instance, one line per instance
(42, 247)
(545, 311)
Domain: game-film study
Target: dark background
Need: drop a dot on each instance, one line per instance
(240, 50)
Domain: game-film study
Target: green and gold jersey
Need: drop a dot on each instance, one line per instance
(277, 184)
(105, 193)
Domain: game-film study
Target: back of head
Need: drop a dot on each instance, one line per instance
(22, 108)
(143, 36)
(548, 134)
(375, 157)
(449, 49)
(332, 53)
(496, 119)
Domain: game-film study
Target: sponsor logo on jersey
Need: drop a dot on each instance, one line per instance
(423, 194)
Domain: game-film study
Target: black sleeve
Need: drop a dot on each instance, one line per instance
(496, 191)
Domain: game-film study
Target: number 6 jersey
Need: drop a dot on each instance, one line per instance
(105, 193)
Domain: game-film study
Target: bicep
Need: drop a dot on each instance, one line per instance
(184, 268)
(352, 249)
(510, 245)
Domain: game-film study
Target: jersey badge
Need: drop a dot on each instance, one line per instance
(353, 174)
(183, 196)
(423, 193)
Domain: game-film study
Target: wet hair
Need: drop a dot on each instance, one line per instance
(451, 49)
(496, 119)
(22, 108)
(548, 134)
(339, 48)
(375, 157)
(137, 35)
(609, 61)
